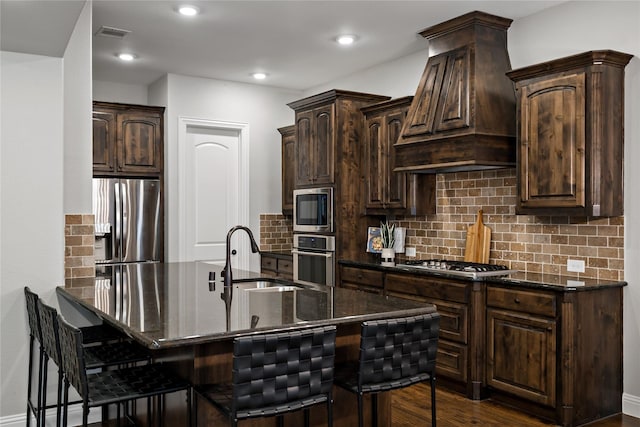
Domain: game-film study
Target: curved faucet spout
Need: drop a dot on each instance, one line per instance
(228, 277)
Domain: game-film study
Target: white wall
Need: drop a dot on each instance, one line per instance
(78, 150)
(31, 205)
(120, 92)
(395, 78)
(263, 108)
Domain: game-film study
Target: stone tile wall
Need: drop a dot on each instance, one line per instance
(276, 232)
(79, 241)
(523, 242)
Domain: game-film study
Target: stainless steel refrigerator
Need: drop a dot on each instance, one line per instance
(128, 220)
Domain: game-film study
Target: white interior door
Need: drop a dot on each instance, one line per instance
(214, 189)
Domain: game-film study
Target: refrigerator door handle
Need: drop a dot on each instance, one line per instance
(124, 225)
(118, 220)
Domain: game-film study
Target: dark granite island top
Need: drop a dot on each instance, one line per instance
(165, 305)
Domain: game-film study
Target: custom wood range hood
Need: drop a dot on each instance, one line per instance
(463, 115)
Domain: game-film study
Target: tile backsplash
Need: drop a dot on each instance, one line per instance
(79, 241)
(522, 242)
(276, 232)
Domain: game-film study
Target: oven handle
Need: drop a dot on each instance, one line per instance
(323, 254)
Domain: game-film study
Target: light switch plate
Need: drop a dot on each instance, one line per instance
(410, 252)
(575, 265)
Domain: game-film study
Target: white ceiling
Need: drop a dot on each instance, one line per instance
(292, 41)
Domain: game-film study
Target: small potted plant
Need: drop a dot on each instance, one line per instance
(387, 234)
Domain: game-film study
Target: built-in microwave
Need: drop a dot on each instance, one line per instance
(313, 210)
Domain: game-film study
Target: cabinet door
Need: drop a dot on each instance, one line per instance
(551, 154)
(453, 101)
(322, 137)
(375, 171)
(139, 143)
(396, 182)
(423, 108)
(521, 355)
(104, 141)
(303, 149)
(288, 168)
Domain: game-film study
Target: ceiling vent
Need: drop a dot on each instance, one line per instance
(118, 33)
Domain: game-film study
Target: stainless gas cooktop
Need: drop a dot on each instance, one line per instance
(470, 270)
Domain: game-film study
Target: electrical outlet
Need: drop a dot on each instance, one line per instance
(575, 265)
(410, 252)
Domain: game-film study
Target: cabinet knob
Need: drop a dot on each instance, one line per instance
(516, 300)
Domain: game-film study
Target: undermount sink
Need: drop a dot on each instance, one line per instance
(267, 286)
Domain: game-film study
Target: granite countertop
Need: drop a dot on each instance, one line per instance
(164, 305)
(553, 282)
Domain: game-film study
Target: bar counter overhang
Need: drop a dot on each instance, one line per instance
(189, 322)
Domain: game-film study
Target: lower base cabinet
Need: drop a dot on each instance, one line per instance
(550, 351)
(280, 266)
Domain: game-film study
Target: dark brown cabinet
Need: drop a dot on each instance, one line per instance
(521, 344)
(127, 139)
(288, 134)
(315, 146)
(552, 351)
(280, 266)
(386, 191)
(570, 135)
(329, 130)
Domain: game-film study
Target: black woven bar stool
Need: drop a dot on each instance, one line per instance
(113, 386)
(394, 353)
(277, 373)
(96, 335)
(96, 356)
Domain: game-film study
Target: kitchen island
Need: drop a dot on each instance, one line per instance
(188, 319)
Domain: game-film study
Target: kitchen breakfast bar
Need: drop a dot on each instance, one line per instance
(187, 319)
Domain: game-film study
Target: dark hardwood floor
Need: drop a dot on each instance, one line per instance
(412, 407)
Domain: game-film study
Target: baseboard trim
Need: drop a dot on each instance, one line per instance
(631, 405)
(74, 413)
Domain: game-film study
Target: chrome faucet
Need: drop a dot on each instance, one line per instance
(228, 277)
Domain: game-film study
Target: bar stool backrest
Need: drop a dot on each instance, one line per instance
(273, 369)
(397, 349)
(72, 355)
(49, 329)
(32, 313)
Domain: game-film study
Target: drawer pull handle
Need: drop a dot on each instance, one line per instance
(516, 300)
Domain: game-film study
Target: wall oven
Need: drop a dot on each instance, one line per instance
(313, 210)
(314, 259)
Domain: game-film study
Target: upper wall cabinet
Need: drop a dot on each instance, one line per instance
(463, 113)
(127, 139)
(388, 192)
(288, 134)
(570, 135)
(326, 123)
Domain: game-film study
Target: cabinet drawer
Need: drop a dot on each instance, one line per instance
(268, 263)
(451, 360)
(453, 317)
(369, 278)
(435, 288)
(533, 302)
(285, 266)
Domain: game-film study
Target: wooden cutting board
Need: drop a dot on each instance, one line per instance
(478, 242)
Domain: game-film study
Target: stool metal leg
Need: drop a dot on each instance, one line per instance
(374, 409)
(433, 400)
(43, 407)
(29, 379)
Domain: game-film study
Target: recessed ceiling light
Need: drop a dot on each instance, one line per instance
(346, 39)
(259, 76)
(188, 10)
(127, 56)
